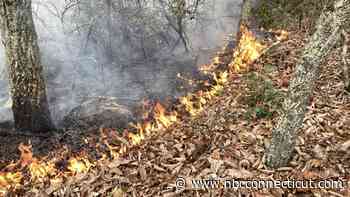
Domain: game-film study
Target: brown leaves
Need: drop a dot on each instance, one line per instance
(345, 146)
(118, 192)
(239, 173)
(221, 143)
(142, 172)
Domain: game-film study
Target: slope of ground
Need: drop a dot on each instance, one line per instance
(222, 143)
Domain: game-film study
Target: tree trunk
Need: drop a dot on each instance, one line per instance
(246, 17)
(246, 11)
(346, 72)
(28, 91)
(301, 87)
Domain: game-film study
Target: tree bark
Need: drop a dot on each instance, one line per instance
(327, 34)
(246, 11)
(27, 85)
(346, 72)
(246, 17)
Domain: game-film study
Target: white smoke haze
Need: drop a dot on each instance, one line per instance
(145, 57)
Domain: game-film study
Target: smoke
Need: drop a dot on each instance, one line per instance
(129, 53)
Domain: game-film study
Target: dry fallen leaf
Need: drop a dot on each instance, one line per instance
(238, 173)
(159, 168)
(345, 146)
(319, 152)
(142, 172)
(215, 165)
(117, 192)
(118, 162)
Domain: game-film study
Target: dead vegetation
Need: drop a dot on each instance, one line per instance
(218, 141)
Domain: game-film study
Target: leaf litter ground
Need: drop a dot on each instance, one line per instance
(222, 143)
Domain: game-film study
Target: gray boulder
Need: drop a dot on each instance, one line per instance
(98, 112)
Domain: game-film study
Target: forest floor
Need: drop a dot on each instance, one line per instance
(226, 140)
(222, 143)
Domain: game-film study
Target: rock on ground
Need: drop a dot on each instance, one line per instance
(98, 112)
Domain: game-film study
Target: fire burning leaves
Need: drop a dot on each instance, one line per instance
(39, 170)
(79, 165)
(26, 154)
(161, 117)
(248, 50)
(162, 120)
(8, 180)
(156, 117)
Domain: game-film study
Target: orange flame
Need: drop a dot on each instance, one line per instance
(39, 171)
(190, 105)
(155, 118)
(79, 165)
(249, 49)
(8, 180)
(136, 138)
(162, 118)
(26, 154)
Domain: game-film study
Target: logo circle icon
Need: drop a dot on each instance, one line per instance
(180, 184)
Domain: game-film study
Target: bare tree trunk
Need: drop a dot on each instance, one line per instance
(246, 18)
(327, 34)
(346, 72)
(28, 91)
(246, 11)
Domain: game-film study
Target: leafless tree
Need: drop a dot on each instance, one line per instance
(328, 33)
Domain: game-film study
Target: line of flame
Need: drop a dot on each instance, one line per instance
(248, 50)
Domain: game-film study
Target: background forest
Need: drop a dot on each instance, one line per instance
(175, 98)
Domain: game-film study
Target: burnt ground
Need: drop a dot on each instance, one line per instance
(72, 141)
(42, 144)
